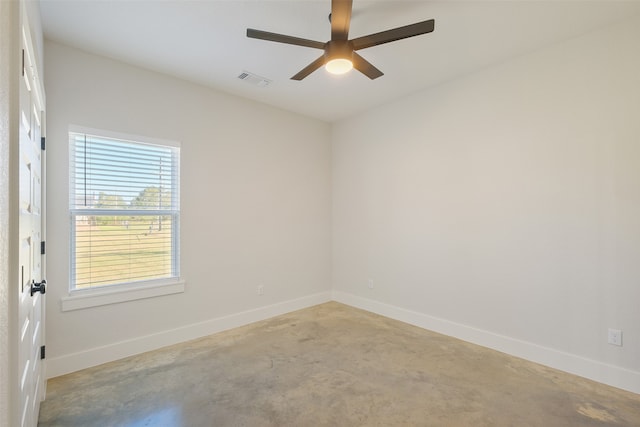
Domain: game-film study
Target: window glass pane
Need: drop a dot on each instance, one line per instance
(119, 249)
(117, 174)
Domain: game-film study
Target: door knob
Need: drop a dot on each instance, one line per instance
(38, 287)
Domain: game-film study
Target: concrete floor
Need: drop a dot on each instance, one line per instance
(331, 365)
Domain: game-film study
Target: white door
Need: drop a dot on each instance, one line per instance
(31, 291)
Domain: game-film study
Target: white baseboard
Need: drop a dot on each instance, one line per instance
(604, 373)
(96, 356)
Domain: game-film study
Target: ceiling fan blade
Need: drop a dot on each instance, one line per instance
(365, 67)
(394, 34)
(340, 19)
(309, 69)
(281, 38)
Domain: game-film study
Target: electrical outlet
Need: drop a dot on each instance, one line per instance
(615, 337)
(370, 283)
(260, 289)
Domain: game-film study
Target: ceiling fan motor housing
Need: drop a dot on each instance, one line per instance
(338, 49)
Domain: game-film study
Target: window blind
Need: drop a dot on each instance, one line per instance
(124, 205)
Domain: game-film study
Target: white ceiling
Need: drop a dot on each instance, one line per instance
(205, 42)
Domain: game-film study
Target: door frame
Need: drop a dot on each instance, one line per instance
(10, 41)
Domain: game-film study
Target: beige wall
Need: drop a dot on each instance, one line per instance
(504, 207)
(255, 205)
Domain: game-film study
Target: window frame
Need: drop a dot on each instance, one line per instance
(79, 298)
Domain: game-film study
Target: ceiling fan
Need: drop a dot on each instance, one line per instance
(340, 53)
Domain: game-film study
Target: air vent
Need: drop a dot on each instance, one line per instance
(254, 79)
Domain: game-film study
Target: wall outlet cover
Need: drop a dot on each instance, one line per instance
(615, 337)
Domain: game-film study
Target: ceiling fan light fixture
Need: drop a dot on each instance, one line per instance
(338, 56)
(339, 66)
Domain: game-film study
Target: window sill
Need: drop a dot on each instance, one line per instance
(79, 300)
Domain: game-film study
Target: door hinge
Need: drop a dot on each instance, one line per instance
(42, 352)
(42, 247)
(43, 143)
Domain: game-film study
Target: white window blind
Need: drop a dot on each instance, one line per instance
(125, 211)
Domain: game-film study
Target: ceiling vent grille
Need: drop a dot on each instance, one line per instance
(254, 79)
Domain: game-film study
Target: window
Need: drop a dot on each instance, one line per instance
(125, 211)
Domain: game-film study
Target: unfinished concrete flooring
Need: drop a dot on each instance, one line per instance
(331, 365)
